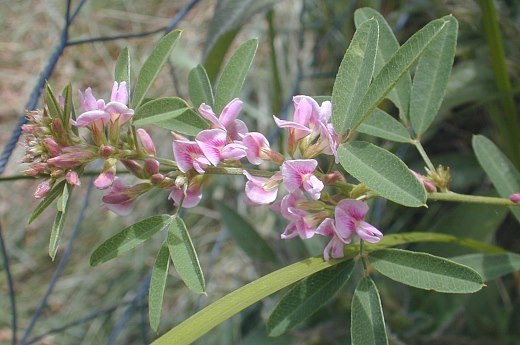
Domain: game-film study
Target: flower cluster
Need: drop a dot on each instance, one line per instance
(58, 152)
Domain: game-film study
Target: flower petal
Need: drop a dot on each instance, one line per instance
(368, 232)
(230, 112)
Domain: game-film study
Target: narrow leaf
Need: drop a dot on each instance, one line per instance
(382, 172)
(431, 77)
(354, 75)
(129, 238)
(157, 286)
(387, 47)
(234, 74)
(59, 220)
(246, 236)
(307, 297)
(53, 194)
(367, 321)
(184, 256)
(499, 168)
(490, 266)
(383, 125)
(397, 67)
(426, 271)
(199, 87)
(122, 70)
(52, 103)
(172, 113)
(221, 310)
(67, 105)
(152, 66)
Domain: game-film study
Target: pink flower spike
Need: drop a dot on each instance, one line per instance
(298, 174)
(349, 219)
(119, 93)
(261, 190)
(72, 178)
(189, 155)
(515, 197)
(43, 189)
(146, 141)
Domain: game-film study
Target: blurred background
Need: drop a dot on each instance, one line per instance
(301, 44)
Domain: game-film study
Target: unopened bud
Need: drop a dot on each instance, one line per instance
(52, 146)
(157, 178)
(106, 151)
(43, 189)
(134, 167)
(72, 178)
(151, 166)
(515, 197)
(331, 178)
(146, 141)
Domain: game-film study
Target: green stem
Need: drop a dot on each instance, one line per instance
(362, 255)
(474, 199)
(423, 154)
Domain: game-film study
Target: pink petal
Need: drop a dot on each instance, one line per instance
(291, 124)
(88, 101)
(184, 152)
(313, 186)
(305, 110)
(88, 117)
(356, 209)
(105, 179)
(327, 228)
(119, 93)
(254, 143)
(334, 248)
(207, 113)
(119, 109)
(258, 189)
(290, 231)
(230, 112)
(72, 178)
(368, 232)
(236, 130)
(211, 141)
(233, 151)
(123, 209)
(293, 172)
(43, 189)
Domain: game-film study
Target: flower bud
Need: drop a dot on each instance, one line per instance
(43, 189)
(72, 178)
(151, 166)
(146, 141)
(105, 151)
(157, 179)
(515, 197)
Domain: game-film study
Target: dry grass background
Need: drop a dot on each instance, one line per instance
(29, 35)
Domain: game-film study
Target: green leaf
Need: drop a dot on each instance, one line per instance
(129, 238)
(425, 271)
(490, 266)
(354, 76)
(307, 296)
(246, 236)
(367, 321)
(398, 66)
(387, 47)
(382, 172)
(172, 113)
(214, 57)
(59, 220)
(122, 70)
(184, 256)
(431, 78)
(157, 286)
(499, 168)
(53, 194)
(383, 125)
(203, 321)
(199, 87)
(52, 103)
(152, 66)
(234, 74)
(67, 105)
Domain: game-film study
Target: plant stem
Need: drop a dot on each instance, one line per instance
(423, 154)
(362, 255)
(474, 199)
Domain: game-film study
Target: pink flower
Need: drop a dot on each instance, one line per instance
(301, 223)
(146, 141)
(298, 174)
(261, 190)
(105, 178)
(120, 199)
(311, 122)
(189, 155)
(43, 189)
(335, 246)
(94, 110)
(429, 186)
(72, 156)
(72, 178)
(349, 216)
(190, 197)
(258, 149)
(213, 143)
(227, 119)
